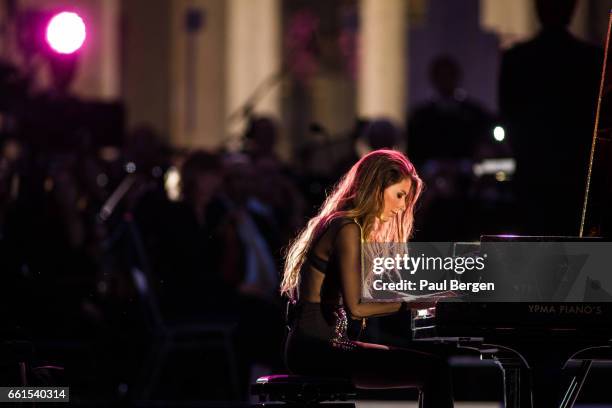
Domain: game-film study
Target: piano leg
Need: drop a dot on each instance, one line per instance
(517, 383)
(576, 384)
(547, 383)
(515, 369)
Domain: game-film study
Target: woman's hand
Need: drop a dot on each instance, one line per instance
(429, 302)
(423, 303)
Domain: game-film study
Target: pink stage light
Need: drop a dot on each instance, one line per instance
(66, 32)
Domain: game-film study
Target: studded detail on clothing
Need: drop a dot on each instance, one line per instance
(340, 339)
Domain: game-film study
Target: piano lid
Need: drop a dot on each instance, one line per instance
(597, 209)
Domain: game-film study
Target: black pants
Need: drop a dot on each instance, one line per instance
(308, 351)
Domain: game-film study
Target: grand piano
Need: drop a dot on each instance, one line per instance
(532, 342)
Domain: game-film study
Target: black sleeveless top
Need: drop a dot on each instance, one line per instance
(321, 328)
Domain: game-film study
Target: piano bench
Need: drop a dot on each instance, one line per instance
(297, 390)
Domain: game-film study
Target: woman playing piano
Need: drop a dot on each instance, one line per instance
(373, 202)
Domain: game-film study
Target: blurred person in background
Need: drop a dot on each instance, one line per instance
(275, 182)
(547, 97)
(214, 261)
(253, 242)
(443, 137)
(368, 135)
(188, 251)
(451, 125)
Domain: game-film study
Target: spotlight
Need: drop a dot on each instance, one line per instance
(66, 32)
(499, 133)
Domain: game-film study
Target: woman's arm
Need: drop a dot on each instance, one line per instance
(348, 253)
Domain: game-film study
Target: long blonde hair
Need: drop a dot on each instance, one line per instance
(358, 195)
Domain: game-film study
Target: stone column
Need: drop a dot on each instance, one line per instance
(197, 73)
(146, 59)
(110, 72)
(512, 21)
(253, 63)
(382, 60)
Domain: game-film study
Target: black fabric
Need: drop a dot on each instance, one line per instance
(308, 350)
(316, 261)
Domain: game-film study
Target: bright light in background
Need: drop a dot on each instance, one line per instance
(501, 176)
(499, 133)
(172, 184)
(66, 32)
(495, 167)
